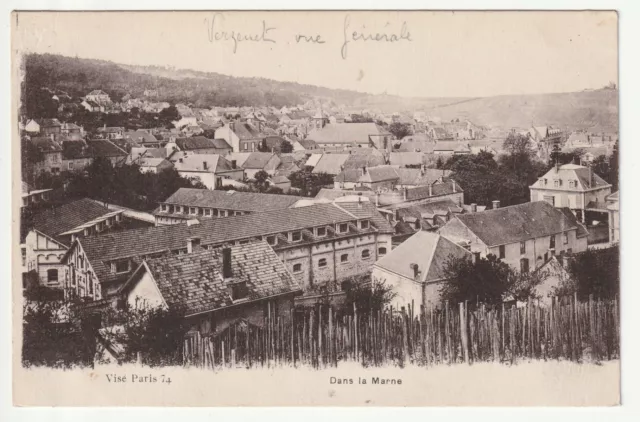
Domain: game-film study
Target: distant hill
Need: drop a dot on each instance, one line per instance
(78, 76)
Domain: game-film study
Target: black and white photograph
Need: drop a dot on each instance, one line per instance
(347, 208)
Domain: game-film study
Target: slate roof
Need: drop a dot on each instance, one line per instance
(379, 174)
(194, 281)
(569, 172)
(405, 158)
(332, 194)
(52, 222)
(105, 148)
(330, 163)
(134, 243)
(231, 200)
(428, 250)
(257, 160)
(517, 223)
(194, 142)
(141, 137)
(220, 143)
(246, 130)
(346, 133)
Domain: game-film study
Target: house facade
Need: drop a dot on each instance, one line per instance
(415, 270)
(573, 186)
(210, 169)
(524, 236)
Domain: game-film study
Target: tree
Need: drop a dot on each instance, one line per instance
(367, 295)
(261, 178)
(286, 147)
(309, 183)
(487, 280)
(262, 146)
(400, 130)
(439, 163)
(596, 272)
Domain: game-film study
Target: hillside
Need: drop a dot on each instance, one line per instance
(77, 77)
(572, 110)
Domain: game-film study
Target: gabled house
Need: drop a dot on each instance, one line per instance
(143, 138)
(415, 270)
(154, 165)
(256, 161)
(49, 154)
(216, 288)
(199, 145)
(111, 133)
(350, 135)
(242, 137)
(573, 186)
(524, 236)
(49, 233)
(210, 169)
(98, 96)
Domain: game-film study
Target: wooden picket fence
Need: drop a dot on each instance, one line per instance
(568, 330)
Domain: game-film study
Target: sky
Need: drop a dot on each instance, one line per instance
(433, 54)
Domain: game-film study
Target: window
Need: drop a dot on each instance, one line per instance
(238, 213)
(297, 268)
(81, 261)
(501, 251)
(90, 287)
(193, 210)
(524, 265)
(121, 266)
(52, 276)
(343, 227)
(271, 240)
(545, 182)
(364, 224)
(550, 199)
(215, 212)
(207, 212)
(321, 231)
(70, 165)
(322, 262)
(366, 254)
(556, 183)
(23, 251)
(523, 248)
(344, 257)
(245, 146)
(382, 251)
(552, 242)
(296, 236)
(565, 238)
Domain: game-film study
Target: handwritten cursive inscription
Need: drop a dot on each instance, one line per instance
(235, 36)
(402, 35)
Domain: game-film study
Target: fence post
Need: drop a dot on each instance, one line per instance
(463, 331)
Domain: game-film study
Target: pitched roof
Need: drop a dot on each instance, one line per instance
(134, 243)
(214, 163)
(246, 130)
(346, 133)
(332, 194)
(194, 142)
(220, 143)
(257, 160)
(405, 158)
(517, 223)
(105, 148)
(428, 250)
(140, 136)
(330, 163)
(63, 218)
(231, 200)
(194, 281)
(570, 172)
(379, 174)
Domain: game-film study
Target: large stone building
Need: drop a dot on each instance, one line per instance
(319, 243)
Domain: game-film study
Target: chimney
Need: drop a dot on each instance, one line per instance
(416, 271)
(364, 169)
(404, 193)
(453, 183)
(233, 164)
(359, 202)
(423, 171)
(430, 189)
(474, 207)
(227, 273)
(496, 204)
(205, 165)
(590, 177)
(193, 244)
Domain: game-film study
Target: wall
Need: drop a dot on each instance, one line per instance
(42, 254)
(208, 179)
(145, 292)
(80, 278)
(405, 289)
(232, 139)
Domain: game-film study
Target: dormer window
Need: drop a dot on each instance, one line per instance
(215, 212)
(120, 266)
(207, 212)
(165, 207)
(343, 227)
(321, 231)
(271, 240)
(364, 224)
(193, 210)
(296, 236)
